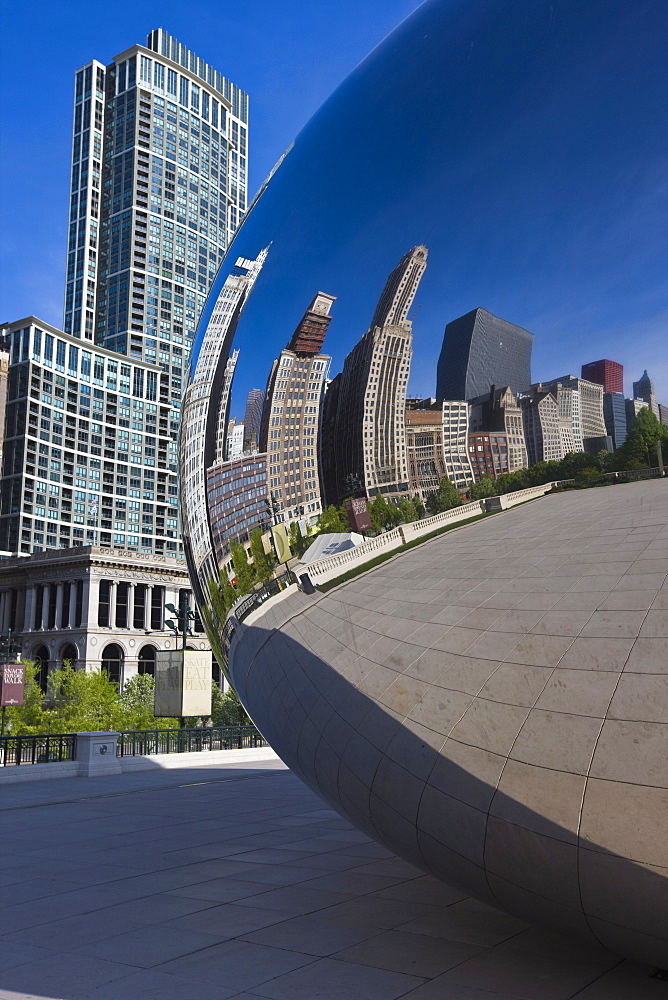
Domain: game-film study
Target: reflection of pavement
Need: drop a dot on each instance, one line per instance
(209, 883)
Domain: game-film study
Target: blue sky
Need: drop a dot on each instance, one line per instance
(578, 257)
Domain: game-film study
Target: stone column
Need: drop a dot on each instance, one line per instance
(29, 610)
(131, 605)
(72, 605)
(60, 587)
(112, 603)
(90, 601)
(44, 623)
(147, 606)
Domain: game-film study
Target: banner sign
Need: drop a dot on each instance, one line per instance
(12, 683)
(358, 514)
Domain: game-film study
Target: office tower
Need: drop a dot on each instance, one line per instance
(480, 350)
(488, 454)
(90, 453)
(235, 440)
(644, 389)
(614, 414)
(541, 426)
(570, 419)
(4, 378)
(594, 434)
(291, 418)
(252, 419)
(366, 433)
(499, 412)
(158, 187)
(458, 468)
(633, 408)
(224, 407)
(235, 512)
(609, 374)
(204, 404)
(663, 414)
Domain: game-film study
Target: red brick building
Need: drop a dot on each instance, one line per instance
(488, 454)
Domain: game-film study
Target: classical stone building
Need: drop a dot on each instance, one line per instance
(101, 608)
(591, 420)
(499, 412)
(424, 446)
(541, 427)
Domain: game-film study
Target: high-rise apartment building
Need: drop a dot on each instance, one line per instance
(90, 449)
(609, 374)
(158, 187)
(291, 418)
(252, 419)
(480, 350)
(366, 433)
(644, 389)
(614, 414)
(235, 440)
(499, 412)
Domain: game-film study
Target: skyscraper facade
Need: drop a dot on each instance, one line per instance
(368, 430)
(458, 466)
(541, 426)
(498, 411)
(158, 187)
(291, 418)
(252, 419)
(590, 409)
(424, 446)
(480, 350)
(90, 451)
(644, 389)
(609, 374)
(614, 414)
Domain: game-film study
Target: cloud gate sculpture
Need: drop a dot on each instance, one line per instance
(492, 704)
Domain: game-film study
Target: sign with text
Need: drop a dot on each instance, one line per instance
(182, 683)
(12, 683)
(358, 514)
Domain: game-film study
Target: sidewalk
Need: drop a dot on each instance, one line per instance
(211, 882)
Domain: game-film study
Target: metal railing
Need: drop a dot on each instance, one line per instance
(243, 607)
(153, 741)
(37, 749)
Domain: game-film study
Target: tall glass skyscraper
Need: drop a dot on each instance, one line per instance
(158, 187)
(479, 351)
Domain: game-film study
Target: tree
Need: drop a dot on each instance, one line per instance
(244, 571)
(136, 705)
(641, 440)
(420, 508)
(445, 497)
(263, 564)
(407, 510)
(227, 710)
(485, 487)
(331, 520)
(298, 542)
(380, 513)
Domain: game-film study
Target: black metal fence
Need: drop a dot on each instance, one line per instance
(249, 602)
(37, 749)
(152, 741)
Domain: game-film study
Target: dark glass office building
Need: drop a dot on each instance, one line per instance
(480, 350)
(614, 414)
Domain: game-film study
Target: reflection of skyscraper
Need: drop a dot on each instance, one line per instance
(644, 389)
(589, 425)
(252, 419)
(291, 418)
(498, 411)
(480, 350)
(367, 433)
(203, 399)
(224, 407)
(609, 374)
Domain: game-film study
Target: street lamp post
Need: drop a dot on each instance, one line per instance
(181, 626)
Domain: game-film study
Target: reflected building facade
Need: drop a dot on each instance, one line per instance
(589, 429)
(237, 495)
(204, 398)
(291, 418)
(499, 412)
(644, 389)
(424, 446)
(365, 414)
(480, 350)
(252, 419)
(609, 374)
(542, 430)
(614, 415)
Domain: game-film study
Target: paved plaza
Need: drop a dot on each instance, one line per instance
(213, 882)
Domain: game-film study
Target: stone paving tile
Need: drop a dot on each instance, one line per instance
(415, 954)
(230, 920)
(18, 953)
(334, 980)
(66, 980)
(147, 946)
(151, 984)
(237, 964)
(315, 934)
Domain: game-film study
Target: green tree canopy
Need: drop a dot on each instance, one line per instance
(641, 440)
(263, 564)
(444, 498)
(245, 573)
(331, 520)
